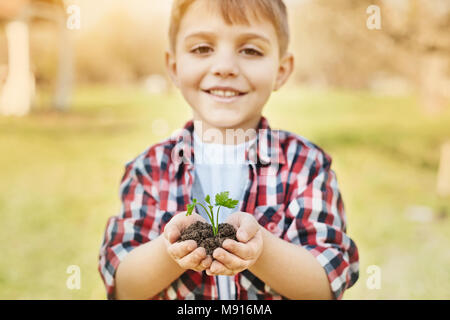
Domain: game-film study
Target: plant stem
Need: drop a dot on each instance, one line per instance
(217, 220)
(211, 218)
(214, 226)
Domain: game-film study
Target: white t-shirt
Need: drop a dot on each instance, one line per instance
(218, 168)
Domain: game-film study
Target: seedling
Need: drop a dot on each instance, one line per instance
(222, 200)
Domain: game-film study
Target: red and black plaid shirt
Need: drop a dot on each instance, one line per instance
(292, 192)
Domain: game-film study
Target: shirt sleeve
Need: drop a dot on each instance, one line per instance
(133, 226)
(319, 224)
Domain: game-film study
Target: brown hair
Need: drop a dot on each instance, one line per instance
(236, 11)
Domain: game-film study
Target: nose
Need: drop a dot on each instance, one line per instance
(225, 65)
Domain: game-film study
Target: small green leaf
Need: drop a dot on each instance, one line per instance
(207, 199)
(231, 203)
(190, 207)
(221, 198)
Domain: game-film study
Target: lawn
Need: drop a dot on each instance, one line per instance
(60, 175)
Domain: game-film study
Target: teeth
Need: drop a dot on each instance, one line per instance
(222, 93)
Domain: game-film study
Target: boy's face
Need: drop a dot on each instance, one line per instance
(243, 58)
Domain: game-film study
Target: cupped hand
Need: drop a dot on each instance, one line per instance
(237, 256)
(185, 253)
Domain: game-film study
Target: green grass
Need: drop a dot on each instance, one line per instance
(60, 175)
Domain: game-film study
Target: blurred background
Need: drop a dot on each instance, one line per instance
(83, 90)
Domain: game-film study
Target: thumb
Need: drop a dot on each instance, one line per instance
(247, 229)
(172, 233)
(179, 223)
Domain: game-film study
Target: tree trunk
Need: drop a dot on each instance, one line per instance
(16, 96)
(443, 183)
(433, 83)
(64, 83)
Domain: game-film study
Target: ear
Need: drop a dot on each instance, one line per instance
(284, 71)
(171, 66)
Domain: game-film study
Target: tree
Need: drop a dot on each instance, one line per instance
(337, 47)
(16, 95)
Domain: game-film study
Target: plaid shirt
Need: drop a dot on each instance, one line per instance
(292, 192)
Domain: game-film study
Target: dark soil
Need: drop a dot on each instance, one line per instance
(202, 233)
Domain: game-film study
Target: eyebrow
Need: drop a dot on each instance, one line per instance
(244, 36)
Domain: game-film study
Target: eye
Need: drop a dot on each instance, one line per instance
(252, 52)
(200, 49)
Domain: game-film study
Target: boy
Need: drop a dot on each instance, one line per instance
(227, 57)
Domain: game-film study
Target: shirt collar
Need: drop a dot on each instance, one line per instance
(264, 150)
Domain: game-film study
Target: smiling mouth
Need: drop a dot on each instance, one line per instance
(224, 94)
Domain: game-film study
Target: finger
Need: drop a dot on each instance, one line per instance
(247, 229)
(204, 264)
(172, 230)
(229, 260)
(172, 233)
(193, 259)
(245, 224)
(178, 223)
(218, 268)
(244, 251)
(180, 249)
(235, 219)
(194, 217)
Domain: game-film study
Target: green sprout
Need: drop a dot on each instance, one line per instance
(222, 200)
